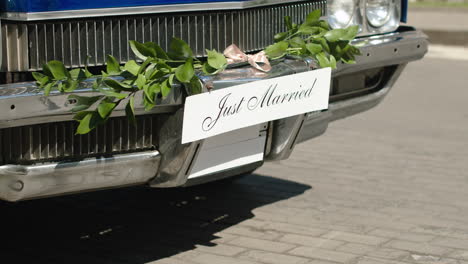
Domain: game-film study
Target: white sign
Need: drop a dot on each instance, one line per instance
(244, 105)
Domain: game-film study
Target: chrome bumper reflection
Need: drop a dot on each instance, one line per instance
(18, 182)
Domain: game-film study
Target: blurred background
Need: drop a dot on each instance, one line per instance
(444, 21)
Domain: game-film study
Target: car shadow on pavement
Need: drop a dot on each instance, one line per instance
(132, 225)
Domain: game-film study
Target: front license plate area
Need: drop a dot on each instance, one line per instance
(229, 150)
(220, 111)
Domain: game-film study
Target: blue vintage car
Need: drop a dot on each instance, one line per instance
(40, 154)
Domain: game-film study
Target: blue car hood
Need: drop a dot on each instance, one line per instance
(63, 5)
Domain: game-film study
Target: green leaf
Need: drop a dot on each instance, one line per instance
(106, 107)
(150, 70)
(89, 122)
(130, 110)
(164, 67)
(141, 51)
(324, 24)
(323, 42)
(112, 93)
(179, 49)
(195, 85)
(281, 36)
(83, 102)
(113, 66)
(354, 50)
(151, 90)
(69, 85)
(40, 78)
(132, 67)
(348, 58)
(277, 50)
(185, 72)
(57, 69)
(297, 42)
(47, 88)
(148, 104)
(216, 60)
(160, 53)
(332, 62)
(80, 115)
(313, 48)
(322, 60)
(47, 72)
(350, 33)
(171, 79)
(144, 66)
(208, 70)
(119, 86)
(78, 74)
(140, 81)
(342, 34)
(154, 74)
(165, 88)
(288, 22)
(309, 30)
(88, 74)
(313, 16)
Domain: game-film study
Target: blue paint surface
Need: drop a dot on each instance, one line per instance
(61, 5)
(404, 11)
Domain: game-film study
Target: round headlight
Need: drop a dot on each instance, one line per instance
(379, 12)
(340, 13)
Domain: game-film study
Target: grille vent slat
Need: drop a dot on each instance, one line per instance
(57, 141)
(72, 41)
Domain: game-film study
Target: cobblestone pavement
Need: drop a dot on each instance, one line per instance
(387, 186)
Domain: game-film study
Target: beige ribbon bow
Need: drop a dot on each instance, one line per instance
(235, 55)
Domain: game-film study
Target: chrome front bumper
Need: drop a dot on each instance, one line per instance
(171, 164)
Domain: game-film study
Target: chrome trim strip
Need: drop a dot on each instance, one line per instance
(19, 16)
(18, 182)
(24, 104)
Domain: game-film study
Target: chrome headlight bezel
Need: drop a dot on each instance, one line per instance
(360, 15)
(351, 10)
(391, 21)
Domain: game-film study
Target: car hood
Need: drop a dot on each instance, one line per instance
(64, 5)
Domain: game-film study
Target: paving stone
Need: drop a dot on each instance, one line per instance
(410, 236)
(418, 247)
(451, 242)
(252, 232)
(350, 237)
(210, 258)
(354, 248)
(323, 254)
(170, 261)
(319, 261)
(311, 241)
(429, 259)
(295, 229)
(366, 260)
(459, 254)
(272, 258)
(261, 244)
(221, 249)
(388, 253)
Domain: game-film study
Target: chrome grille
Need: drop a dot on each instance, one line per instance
(57, 141)
(72, 41)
